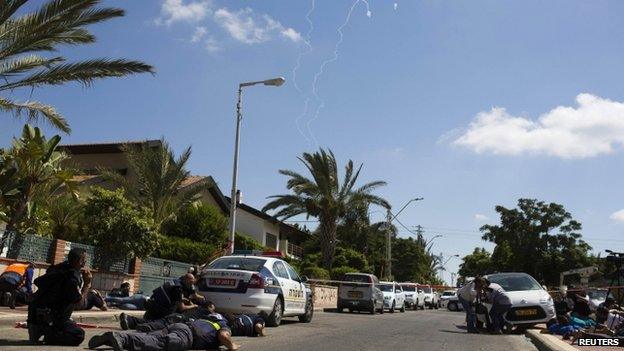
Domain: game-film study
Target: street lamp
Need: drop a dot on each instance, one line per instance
(443, 266)
(430, 241)
(276, 82)
(391, 218)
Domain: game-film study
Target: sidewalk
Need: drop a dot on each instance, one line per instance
(9, 317)
(550, 342)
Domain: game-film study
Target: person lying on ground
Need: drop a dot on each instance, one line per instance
(563, 327)
(203, 312)
(246, 324)
(194, 335)
(16, 284)
(121, 298)
(92, 299)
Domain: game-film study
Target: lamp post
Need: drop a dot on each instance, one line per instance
(391, 218)
(443, 267)
(276, 82)
(430, 241)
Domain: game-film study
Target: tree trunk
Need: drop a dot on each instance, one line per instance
(327, 229)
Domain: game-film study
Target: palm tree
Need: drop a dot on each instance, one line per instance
(38, 173)
(157, 181)
(55, 23)
(324, 197)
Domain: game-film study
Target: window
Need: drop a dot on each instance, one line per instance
(293, 275)
(280, 270)
(242, 263)
(270, 240)
(398, 289)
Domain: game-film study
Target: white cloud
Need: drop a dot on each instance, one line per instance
(618, 216)
(212, 45)
(245, 26)
(182, 11)
(594, 127)
(199, 34)
(481, 217)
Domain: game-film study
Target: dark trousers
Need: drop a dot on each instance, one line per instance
(162, 323)
(471, 316)
(496, 315)
(64, 334)
(175, 337)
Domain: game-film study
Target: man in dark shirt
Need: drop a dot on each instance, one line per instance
(49, 314)
(194, 335)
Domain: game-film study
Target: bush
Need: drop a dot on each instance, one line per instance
(244, 242)
(316, 273)
(200, 223)
(350, 258)
(116, 226)
(339, 272)
(183, 250)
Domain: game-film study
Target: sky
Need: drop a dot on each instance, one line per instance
(469, 104)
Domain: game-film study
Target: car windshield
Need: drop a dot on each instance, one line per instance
(427, 290)
(597, 294)
(241, 263)
(357, 278)
(448, 293)
(408, 288)
(517, 282)
(385, 287)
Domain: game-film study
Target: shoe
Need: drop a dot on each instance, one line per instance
(35, 332)
(126, 322)
(11, 302)
(107, 339)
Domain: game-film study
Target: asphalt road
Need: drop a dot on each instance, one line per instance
(412, 330)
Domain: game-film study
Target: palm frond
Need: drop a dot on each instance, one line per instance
(35, 111)
(84, 72)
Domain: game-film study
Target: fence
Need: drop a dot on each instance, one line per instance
(144, 275)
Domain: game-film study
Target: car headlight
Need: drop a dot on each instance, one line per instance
(546, 301)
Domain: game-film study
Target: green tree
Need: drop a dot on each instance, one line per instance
(199, 223)
(157, 181)
(479, 262)
(27, 36)
(63, 215)
(116, 226)
(538, 238)
(323, 196)
(38, 173)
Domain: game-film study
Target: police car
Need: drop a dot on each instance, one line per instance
(268, 286)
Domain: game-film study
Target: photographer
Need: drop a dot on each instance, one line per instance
(60, 288)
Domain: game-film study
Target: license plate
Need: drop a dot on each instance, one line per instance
(355, 294)
(531, 312)
(222, 282)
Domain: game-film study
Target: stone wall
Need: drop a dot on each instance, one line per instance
(325, 296)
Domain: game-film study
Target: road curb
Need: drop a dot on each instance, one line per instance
(91, 317)
(547, 342)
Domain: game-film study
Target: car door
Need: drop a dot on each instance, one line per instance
(400, 295)
(298, 291)
(280, 272)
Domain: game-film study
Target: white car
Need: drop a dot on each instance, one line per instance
(414, 297)
(394, 297)
(531, 304)
(596, 297)
(267, 286)
(446, 295)
(431, 298)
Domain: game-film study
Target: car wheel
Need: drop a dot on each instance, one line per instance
(381, 310)
(275, 318)
(452, 306)
(309, 312)
(392, 307)
(402, 308)
(415, 307)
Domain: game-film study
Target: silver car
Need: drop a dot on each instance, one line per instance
(360, 292)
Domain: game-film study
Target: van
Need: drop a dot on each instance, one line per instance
(360, 292)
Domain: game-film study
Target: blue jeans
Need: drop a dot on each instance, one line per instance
(496, 316)
(471, 317)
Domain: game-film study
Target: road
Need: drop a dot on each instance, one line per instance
(412, 330)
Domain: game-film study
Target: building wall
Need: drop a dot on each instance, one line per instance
(93, 161)
(255, 227)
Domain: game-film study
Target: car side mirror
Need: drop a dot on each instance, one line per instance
(304, 279)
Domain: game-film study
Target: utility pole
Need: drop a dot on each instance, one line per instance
(419, 230)
(388, 245)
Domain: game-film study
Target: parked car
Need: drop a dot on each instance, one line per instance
(259, 285)
(596, 297)
(414, 297)
(531, 303)
(360, 292)
(430, 297)
(452, 304)
(445, 296)
(394, 297)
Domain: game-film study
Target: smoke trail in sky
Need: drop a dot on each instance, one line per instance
(321, 70)
(308, 43)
